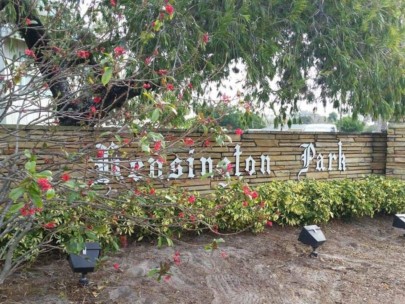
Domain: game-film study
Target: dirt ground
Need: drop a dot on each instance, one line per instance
(362, 261)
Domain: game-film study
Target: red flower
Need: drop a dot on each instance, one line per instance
(246, 190)
(146, 86)
(169, 9)
(157, 146)
(30, 53)
(49, 225)
(206, 38)
(161, 160)
(100, 153)
(97, 99)
(162, 72)
(207, 143)
(191, 199)
(254, 194)
(224, 255)
(229, 167)
(148, 60)
(170, 86)
(136, 167)
(269, 224)
(192, 218)
(152, 191)
(181, 215)
(116, 266)
(188, 141)
(93, 109)
(56, 49)
(83, 54)
(27, 21)
(245, 204)
(176, 258)
(190, 85)
(118, 51)
(238, 131)
(137, 192)
(44, 184)
(113, 2)
(166, 278)
(65, 177)
(126, 141)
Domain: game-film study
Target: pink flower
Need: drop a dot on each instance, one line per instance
(176, 258)
(269, 224)
(118, 51)
(146, 86)
(113, 2)
(97, 99)
(44, 184)
(136, 167)
(170, 86)
(157, 146)
(191, 199)
(238, 131)
(161, 159)
(93, 109)
(166, 278)
(190, 85)
(49, 225)
(169, 9)
(126, 141)
(65, 177)
(83, 54)
(148, 60)
(116, 266)
(27, 21)
(192, 218)
(188, 141)
(206, 38)
(181, 215)
(245, 204)
(254, 194)
(30, 53)
(162, 72)
(246, 190)
(229, 167)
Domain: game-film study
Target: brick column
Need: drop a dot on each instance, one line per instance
(396, 151)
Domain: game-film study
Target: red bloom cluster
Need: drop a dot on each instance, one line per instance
(30, 53)
(248, 192)
(113, 2)
(27, 21)
(100, 153)
(116, 266)
(49, 225)
(206, 38)
(146, 86)
(191, 199)
(170, 86)
(27, 210)
(83, 54)
(188, 141)
(157, 146)
(44, 184)
(176, 258)
(118, 51)
(238, 131)
(65, 177)
(97, 99)
(169, 9)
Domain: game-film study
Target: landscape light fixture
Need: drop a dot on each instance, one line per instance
(312, 235)
(399, 221)
(85, 262)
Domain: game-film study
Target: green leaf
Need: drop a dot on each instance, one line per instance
(155, 115)
(145, 147)
(14, 208)
(106, 75)
(30, 166)
(27, 154)
(50, 194)
(16, 193)
(36, 199)
(44, 174)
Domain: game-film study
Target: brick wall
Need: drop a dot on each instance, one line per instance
(262, 156)
(396, 151)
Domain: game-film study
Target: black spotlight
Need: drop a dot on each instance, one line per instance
(313, 236)
(399, 221)
(85, 262)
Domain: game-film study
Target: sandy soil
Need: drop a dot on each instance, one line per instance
(362, 261)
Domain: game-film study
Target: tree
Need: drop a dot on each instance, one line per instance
(333, 117)
(343, 48)
(350, 124)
